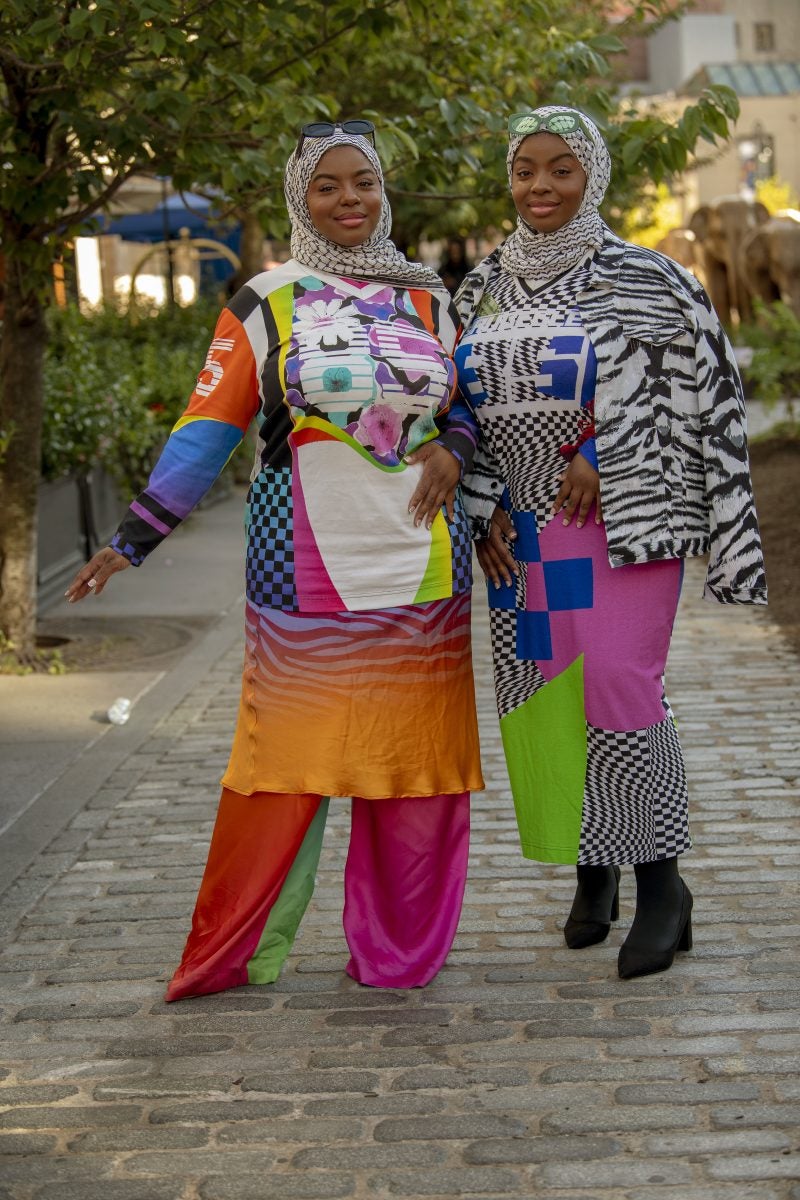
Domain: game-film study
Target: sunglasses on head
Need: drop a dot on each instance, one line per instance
(558, 122)
(323, 129)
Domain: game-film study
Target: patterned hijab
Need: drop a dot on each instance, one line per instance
(542, 255)
(375, 259)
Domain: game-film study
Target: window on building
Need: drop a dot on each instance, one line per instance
(756, 160)
(764, 35)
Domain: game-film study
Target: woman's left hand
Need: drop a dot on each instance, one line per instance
(441, 473)
(580, 489)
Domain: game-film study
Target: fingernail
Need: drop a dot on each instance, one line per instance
(565, 521)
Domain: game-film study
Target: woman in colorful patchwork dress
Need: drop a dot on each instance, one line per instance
(613, 447)
(358, 676)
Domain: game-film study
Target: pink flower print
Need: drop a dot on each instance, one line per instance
(379, 429)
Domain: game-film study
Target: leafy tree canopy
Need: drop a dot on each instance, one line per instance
(210, 94)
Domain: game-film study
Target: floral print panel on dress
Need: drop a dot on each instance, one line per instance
(367, 364)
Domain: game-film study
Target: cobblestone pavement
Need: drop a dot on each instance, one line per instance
(524, 1070)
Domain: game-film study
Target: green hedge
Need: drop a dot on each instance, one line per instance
(114, 386)
(774, 371)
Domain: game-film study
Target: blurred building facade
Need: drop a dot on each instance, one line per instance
(752, 46)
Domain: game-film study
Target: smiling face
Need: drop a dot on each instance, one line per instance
(547, 182)
(344, 197)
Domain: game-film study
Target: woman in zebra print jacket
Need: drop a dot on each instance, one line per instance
(613, 447)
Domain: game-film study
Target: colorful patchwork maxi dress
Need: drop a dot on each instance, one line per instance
(357, 676)
(579, 648)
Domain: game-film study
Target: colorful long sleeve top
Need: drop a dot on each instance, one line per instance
(345, 379)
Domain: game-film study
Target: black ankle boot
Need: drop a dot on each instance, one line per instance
(663, 921)
(595, 906)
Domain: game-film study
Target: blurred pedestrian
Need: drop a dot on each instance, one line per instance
(455, 264)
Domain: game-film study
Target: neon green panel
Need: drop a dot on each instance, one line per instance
(438, 578)
(287, 911)
(545, 744)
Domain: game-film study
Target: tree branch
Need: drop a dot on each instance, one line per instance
(307, 51)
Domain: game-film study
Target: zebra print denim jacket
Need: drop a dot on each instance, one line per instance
(669, 421)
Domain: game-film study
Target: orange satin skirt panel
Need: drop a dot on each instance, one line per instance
(371, 704)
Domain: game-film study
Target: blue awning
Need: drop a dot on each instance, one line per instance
(187, 211)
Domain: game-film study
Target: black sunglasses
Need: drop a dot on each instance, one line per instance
(323, 129)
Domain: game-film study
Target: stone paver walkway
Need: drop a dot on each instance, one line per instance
(524, 1070)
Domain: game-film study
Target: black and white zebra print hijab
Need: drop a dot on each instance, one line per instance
(377, 258)
(526, 252)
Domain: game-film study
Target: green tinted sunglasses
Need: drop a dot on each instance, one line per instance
(558, 122)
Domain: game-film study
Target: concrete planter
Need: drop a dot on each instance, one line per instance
(76, 517)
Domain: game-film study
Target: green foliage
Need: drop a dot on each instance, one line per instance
(212, 95)
(776, 194)
(39, 661)
(459, 72)
(775, 367)
(6, 437)
(114, 386)
(647, 222)
(92, 91)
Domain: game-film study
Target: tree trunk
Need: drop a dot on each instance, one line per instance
(251, 249)
(22, 345)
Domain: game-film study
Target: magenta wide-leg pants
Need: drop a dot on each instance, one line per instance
(404, 886)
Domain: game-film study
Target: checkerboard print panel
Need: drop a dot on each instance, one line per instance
(515, 680)
(270, 549)
(461, 543)
(635, 804)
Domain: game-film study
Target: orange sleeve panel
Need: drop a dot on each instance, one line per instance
(227, 387)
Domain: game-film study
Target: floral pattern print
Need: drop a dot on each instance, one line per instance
(320, 323)
(367, 364)
(379, 429)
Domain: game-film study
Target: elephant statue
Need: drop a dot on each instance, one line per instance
(771, 260)
(682, 247)
(720, 228)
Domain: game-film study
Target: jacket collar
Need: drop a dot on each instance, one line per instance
(607, 264)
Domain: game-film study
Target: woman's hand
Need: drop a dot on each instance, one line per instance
(96, 574)
(441, 474)
(494, 553)
(580, 489)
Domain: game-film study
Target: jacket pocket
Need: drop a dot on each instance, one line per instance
(651, 333)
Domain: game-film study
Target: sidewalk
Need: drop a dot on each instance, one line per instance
(525, 1070)
(165, 622)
